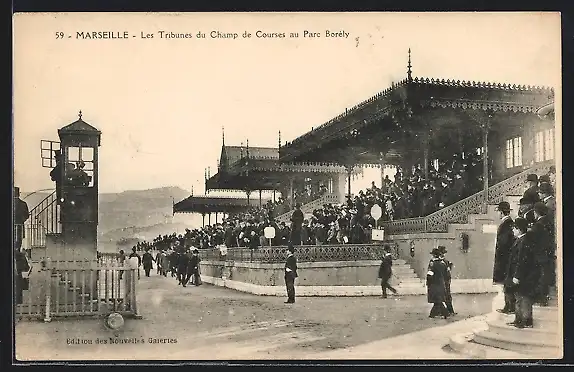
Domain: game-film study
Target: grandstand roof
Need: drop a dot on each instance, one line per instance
(417, 96)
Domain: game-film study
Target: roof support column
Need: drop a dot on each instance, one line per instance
(209, 218)
(426, 155)
(203, 220)
(349, 168)
(248, 193)
(260, 203)
(485, 130)
(216, 218)
(485, 122)
(291, 193)
(382, 165)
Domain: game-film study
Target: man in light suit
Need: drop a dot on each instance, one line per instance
(504, 241)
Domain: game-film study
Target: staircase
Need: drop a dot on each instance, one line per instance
(543, 341)
(44, 221)
(405, 280)
(310, 207)
(458, 213)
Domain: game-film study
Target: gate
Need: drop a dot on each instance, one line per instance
(79, 289)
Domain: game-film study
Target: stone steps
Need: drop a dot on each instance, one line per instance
(544, 334)
(522, 341)
(545, 314)
(543, 339)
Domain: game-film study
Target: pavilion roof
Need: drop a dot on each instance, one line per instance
(204, 204)
(420, 93)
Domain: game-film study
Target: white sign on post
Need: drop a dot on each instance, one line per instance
(378, 234)
(376, 212)
(269, 233)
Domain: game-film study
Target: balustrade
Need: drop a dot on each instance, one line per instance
(459, 211)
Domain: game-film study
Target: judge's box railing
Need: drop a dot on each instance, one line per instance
(77, 288)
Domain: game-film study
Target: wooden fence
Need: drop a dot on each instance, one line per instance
(79, 289)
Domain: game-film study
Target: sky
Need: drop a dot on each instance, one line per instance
(161, 103)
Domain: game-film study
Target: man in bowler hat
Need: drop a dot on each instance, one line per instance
(290, 274)
(543, 238)
(504, 241)
(523, 274)
(386, 271)
(546, 192)
(531, 196)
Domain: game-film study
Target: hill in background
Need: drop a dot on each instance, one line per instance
(142, 214)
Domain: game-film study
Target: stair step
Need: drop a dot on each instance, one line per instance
(545, 334)
(413, 279)
(463, 344)
(522, 340)
(546, 313)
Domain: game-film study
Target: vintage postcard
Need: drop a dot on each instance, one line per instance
(287, 186)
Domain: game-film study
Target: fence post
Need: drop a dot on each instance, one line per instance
(134, 296)
(48, 278)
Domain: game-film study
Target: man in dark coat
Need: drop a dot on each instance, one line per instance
(547, 197)
(386, 271)
(523, 274)
(182, 263)
(436, 289)
(193, 268)
(504, 241)
(147, 261)
(134, 254)
(448, 278)
(290, 274)
(296, 224)
(530, 196)
(56, 174)
(21, 215)
(526, 211)
(519, 228)
(544, 241)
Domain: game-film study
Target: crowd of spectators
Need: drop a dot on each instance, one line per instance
(409, 194)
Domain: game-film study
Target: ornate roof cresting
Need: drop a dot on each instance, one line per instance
(435, 82)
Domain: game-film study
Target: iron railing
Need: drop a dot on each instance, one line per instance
(304, 253)
(459, 211)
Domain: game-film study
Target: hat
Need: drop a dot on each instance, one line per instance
(544, 178)
(387, 248)
(541, 208)
(503, 206)
(552, 170)
(441, 249)
(545, 188)
(523, 201)
(435, 252)
(521, 224)
(532, 177)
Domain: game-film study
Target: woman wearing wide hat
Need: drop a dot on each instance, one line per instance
(436, 286)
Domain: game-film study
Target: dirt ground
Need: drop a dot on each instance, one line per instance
(213, 323)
